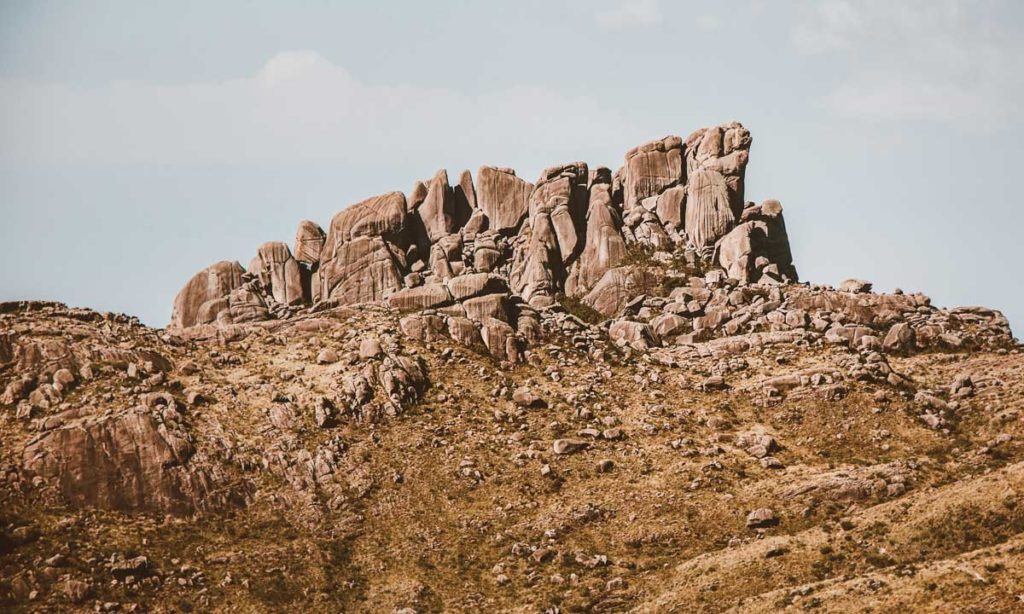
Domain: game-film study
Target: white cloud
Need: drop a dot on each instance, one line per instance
(298, 107)
(629, 14)
(932, 60)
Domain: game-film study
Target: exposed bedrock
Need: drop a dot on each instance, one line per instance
(578, 231)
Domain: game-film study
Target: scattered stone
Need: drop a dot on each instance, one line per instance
(327, 357)
(761, 518)
(568, 446)
(525, 397)
(856, 286)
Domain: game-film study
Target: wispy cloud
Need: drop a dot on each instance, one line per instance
(629, 14)
(298, 107)
(929, 60)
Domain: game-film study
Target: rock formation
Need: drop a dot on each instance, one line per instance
(599, 392)
(566, 234)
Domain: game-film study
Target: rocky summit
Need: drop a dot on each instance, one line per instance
(597, 392)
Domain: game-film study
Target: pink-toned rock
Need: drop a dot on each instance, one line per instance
(476, 284)
(651, 168)
(309, 243)
(490, 306)
(465, 200)
(378, 216)
(427, 296)
(637, 335)
(724, 150)
(503, 197)
(671, 207)
(360, 270)
(204, 296)
(464, 331)
(537, 263)
(496, 335)
(619, 286)
(279, 272)
(362, 258)
(129, 461)
(736, 251)
(438, 207)
(605, 248)
(708, 214)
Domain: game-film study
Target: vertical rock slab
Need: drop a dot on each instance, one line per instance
(725, 150)
(550, 240)
(437, 209)
(309, 245)
(775, 247)
(708, 214)
(280, 273)
(605, 247)
(503, 197)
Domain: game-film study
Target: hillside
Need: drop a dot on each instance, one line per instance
(600, 392)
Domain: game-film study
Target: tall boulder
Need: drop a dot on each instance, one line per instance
(465, 200)
(708, 214)
(205, 295)
(436, 212)
(503, 198)
(363, 257)
(550, 240)
(737, 251)
(758, 246)
(279, 272)
(652, 168)
(604, 248)
(309, 245)
(776, 247)
(716, 162)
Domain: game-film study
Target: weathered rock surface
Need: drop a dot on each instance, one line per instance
(138, 460)
(363, 257)
(502, 197)
(568, 234)
(279, 272)
(205, 295)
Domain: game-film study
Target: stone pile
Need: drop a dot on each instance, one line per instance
(718, 316)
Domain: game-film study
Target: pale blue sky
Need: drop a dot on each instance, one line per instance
(142, 141)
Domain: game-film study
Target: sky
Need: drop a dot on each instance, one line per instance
(143, 141)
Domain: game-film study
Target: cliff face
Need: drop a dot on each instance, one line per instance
(598, 392)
